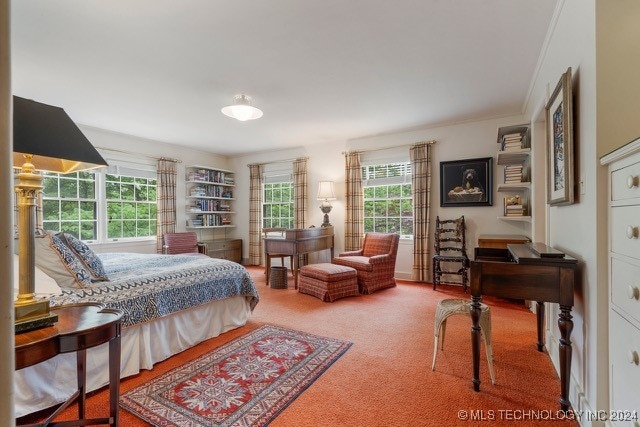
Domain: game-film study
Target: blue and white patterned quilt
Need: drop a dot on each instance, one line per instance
(147, 286)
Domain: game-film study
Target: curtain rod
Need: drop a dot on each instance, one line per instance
(430, 142)
(139, 154)
(278, 161)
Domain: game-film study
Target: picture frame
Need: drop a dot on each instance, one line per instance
(559, 122)
(466, 182)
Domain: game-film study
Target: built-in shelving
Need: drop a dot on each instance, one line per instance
(209, 195)
(514, 153)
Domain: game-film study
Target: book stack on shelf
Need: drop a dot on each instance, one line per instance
(512, 174)
(205, 175)
(514, 206)
(511, 142)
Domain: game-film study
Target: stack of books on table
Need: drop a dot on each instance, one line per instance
(513, 206)
(512, 173)
(511, 141)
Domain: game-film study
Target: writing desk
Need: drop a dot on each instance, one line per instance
(79, 327)
(298, 242)
(531, 271)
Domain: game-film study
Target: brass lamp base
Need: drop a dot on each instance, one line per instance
(33, 315)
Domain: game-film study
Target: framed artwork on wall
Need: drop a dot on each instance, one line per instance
(559, 116)
(466, 182)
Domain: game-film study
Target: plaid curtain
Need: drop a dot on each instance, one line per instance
(255, 214)
(166, 199)
(300, 198)
(420, 155)
(353, 227)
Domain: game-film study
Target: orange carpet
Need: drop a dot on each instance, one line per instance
(385, 379)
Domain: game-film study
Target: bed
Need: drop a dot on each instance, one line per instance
(170, 303)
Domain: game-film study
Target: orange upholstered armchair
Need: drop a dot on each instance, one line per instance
(183, 243)
(375, 262)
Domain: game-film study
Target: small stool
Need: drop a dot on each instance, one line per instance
(451, 307)
(328, 281)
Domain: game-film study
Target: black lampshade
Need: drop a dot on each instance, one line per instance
(54, 140)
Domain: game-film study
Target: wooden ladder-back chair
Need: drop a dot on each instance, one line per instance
(450, 248)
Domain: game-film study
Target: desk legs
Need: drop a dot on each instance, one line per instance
(475, 311)
(565, 324)
(540, 319)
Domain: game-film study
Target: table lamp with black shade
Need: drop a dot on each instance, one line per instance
(44, 139)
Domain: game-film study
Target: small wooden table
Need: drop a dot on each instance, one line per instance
(533, 272)
(298, 242)
(79, 327)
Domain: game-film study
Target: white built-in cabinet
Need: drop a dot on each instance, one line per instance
(624, 284)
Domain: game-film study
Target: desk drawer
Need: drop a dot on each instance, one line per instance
(625, 230)
(625, 287)
(625, 365)
(625, 182)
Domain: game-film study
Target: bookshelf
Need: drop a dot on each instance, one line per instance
(209, 195)
(514, 155)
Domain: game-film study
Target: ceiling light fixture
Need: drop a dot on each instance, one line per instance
(242, 109)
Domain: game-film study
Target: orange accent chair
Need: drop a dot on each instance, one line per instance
(375, 263)
(185, 243)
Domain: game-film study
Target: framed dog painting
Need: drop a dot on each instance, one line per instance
(466, 182)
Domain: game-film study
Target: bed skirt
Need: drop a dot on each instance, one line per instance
(54, 381)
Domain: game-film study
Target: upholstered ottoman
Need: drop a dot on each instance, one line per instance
(328, 281)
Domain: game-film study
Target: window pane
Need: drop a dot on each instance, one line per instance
(113, 190)
(50, 186)
(114, 210)
(69, 210)
(88, 230)
(151, 195)
(142, 228)
(380, 208)
(127, 179)
(381, 192)
(50, 210)
(129, 228)
(388, 206)
(71, 228)
(87, 210)
(128, 211)
(51, 225)
(127, 192)
(68, 188)
(143, 211)
(114, 229)
(277, 208)
(86, 189)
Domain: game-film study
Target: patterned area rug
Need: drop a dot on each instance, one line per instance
(246, 382)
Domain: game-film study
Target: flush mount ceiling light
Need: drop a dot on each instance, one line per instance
(242, 109)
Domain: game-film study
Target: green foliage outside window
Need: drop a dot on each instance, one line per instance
(388, 207)
(277, 205)
(69, 204)
(131, 206)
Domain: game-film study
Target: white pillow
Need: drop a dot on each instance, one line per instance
(44, 283)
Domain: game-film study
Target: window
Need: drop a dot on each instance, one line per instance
(131, 206)
(277, 205)
(101, 205)
(388, 204)
(69, 204)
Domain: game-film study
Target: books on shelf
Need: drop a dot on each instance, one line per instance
(514, 206)
(512, 173)
(210, 176)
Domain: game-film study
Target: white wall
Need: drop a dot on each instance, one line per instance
(579, 229)
(326, 162)
(7, 353)
(117, 145)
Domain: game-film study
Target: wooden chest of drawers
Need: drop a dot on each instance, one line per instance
(624, 279)
(229, 249)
